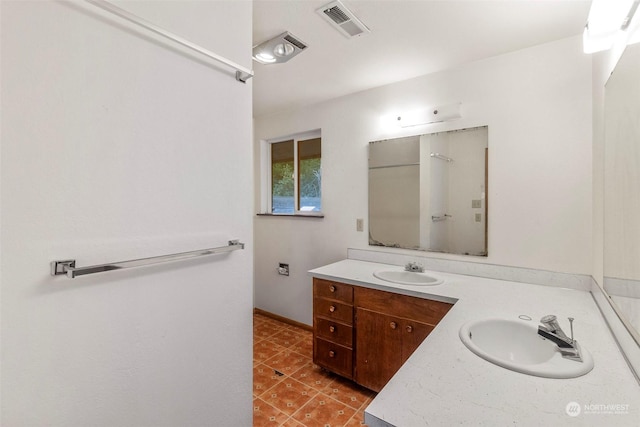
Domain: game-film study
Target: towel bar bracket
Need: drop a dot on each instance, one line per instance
(242, 76)
(236, 242)
(61, 267)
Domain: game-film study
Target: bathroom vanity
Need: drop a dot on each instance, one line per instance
(434, 378)
(365, 334)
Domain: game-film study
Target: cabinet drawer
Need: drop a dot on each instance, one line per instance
(333, 310)
(419, 309)
(332, 290)
(333, 357)
(334, 331)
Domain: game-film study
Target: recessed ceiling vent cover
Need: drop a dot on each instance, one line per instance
(342, 19)
(297, 43)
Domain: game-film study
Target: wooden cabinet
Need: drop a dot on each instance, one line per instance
(365, 334)
(384, 343)
(333, 326)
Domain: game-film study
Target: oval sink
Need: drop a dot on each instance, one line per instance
(515, 345)
(407, 277)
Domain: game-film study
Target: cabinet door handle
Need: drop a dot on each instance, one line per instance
(332, 308)
(409, 328)
(393, 325)
(332, 329)
(332, 353)
(332, 288)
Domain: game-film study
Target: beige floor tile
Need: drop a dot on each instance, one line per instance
(322, 411)
(264, 378)
(266, 415)
(287, 361)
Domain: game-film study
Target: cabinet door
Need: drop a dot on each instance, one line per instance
(383, 344)
(378, 348)
(413, 333)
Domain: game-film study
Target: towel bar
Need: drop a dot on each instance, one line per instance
(68, 267)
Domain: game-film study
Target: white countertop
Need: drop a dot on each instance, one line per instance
(443, 383)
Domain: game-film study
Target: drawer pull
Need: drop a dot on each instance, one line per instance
(409, 328)
(393, 325)
(332, 288)
(332, 329)
(332, 308)
(332, 353)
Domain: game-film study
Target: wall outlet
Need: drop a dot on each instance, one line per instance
(283, 269)
(359, 224)
(476, 203)
(478, 217)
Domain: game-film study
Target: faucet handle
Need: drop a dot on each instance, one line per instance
(551, 322)
(549, 318)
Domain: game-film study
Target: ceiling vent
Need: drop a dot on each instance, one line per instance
(342, 19)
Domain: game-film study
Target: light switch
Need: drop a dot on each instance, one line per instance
(476, 203)
(359, 224)
(478, 217)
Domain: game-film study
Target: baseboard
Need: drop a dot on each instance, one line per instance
(283, 319)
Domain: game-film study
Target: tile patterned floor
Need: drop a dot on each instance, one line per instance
(290, 391)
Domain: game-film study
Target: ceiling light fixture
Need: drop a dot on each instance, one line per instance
(278, 49)
(606, 23)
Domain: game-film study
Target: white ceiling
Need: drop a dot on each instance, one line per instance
(408, 38)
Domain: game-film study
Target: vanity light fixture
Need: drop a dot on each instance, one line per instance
(442, 113)
(608, 20)
(278, 49)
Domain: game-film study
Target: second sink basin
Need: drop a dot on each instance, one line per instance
(515, 345)
(407, 277)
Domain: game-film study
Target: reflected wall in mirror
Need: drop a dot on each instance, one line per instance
(428, 192)
(622, 189)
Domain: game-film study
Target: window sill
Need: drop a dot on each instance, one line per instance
(295, 215)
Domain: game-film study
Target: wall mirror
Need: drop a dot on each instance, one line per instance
(428, 192)
(622, 189)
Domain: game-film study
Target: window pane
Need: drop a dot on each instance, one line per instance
(282, 193)
(309, 173)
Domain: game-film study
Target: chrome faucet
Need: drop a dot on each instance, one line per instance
(414, 267)
(551, 330)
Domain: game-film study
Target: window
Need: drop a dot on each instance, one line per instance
(296, 175)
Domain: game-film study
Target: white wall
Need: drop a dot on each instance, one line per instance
(537, 104)
(116, 146)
